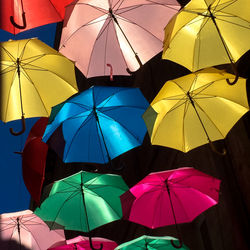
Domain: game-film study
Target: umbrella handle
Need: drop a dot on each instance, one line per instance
(236, 75)
(111, 72)
(23, 128)
(176, 246)
(91, 244)
(17, 25)
(215, 150)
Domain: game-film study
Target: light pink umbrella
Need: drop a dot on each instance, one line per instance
(170, 197)
(119, 34)
(25, 229)
(82, 243)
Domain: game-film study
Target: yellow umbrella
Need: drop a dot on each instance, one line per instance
(207, 33)
(34, 77)
(196, 109)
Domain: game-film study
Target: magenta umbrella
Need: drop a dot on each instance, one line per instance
(82, 243)
(117, 34)
(170, 197)
(25, 229)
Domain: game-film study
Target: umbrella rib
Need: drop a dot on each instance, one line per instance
(208, 118)
(59, 15)
(136, 24)
(126, 129)
(30, 80)
(232, 23)
(73, 194)
(73, 33)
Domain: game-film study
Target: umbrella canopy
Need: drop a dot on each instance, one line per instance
(83, 201)
(34, 77)
(34, 159)
(100, 123)
(25, 229)
(206, 33)
(123, 34)
(82, 243)
(170, 197)
(21, 15)
(150, 243)
(196, 109)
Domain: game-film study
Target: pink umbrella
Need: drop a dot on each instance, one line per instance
(82, 243)
(34, 159)
(25, 229)
(99, 35)
(170, 197)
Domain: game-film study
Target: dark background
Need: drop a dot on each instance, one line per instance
(222, 227)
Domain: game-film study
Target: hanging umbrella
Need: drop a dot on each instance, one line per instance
(20, 15)
(170, 198)
(206, 33)
(196, 109)
(25, 229)
(150, 243)
(100, 123)
(34, 77)
(124, 34)
(83, 201)
(34, 159)
(82, 243)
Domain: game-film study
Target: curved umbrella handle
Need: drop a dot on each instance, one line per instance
(111, 72)
(91, 245)
(23, 128)
(236, 75)
(176, 246)
(215, 150)
(17, 25)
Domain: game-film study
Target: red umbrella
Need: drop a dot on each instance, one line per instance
(170, 197)
(99, 35)
(82, 243)
(20, 15)
(34, 159)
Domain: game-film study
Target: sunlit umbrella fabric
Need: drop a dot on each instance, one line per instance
(24, 228)
(100, 123)
(195, 109)
(97, 33)
(193, 40)
(83, 201)
(150, 243)
(37, 13)
(190, 192)
(34, 77)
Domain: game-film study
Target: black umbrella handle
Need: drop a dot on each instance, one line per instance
(23, 26)
(236, 74)
(91, 244)
(23, 128)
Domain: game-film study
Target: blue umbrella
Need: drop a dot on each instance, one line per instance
(100, 123)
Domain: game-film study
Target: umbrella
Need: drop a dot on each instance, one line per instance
(196, 109)
(150, 242)
(27, 230)
(34, 77)
(83, 201)
(82, 243)
(100, 123)
(20, 15)
(206, 33)
(170, 197)
(34, 159)
(124, 34)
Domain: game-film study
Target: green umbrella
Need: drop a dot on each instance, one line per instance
(83, 201)
(150, 243)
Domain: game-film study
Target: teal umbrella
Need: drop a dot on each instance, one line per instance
(83, 201)
(150, 243)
